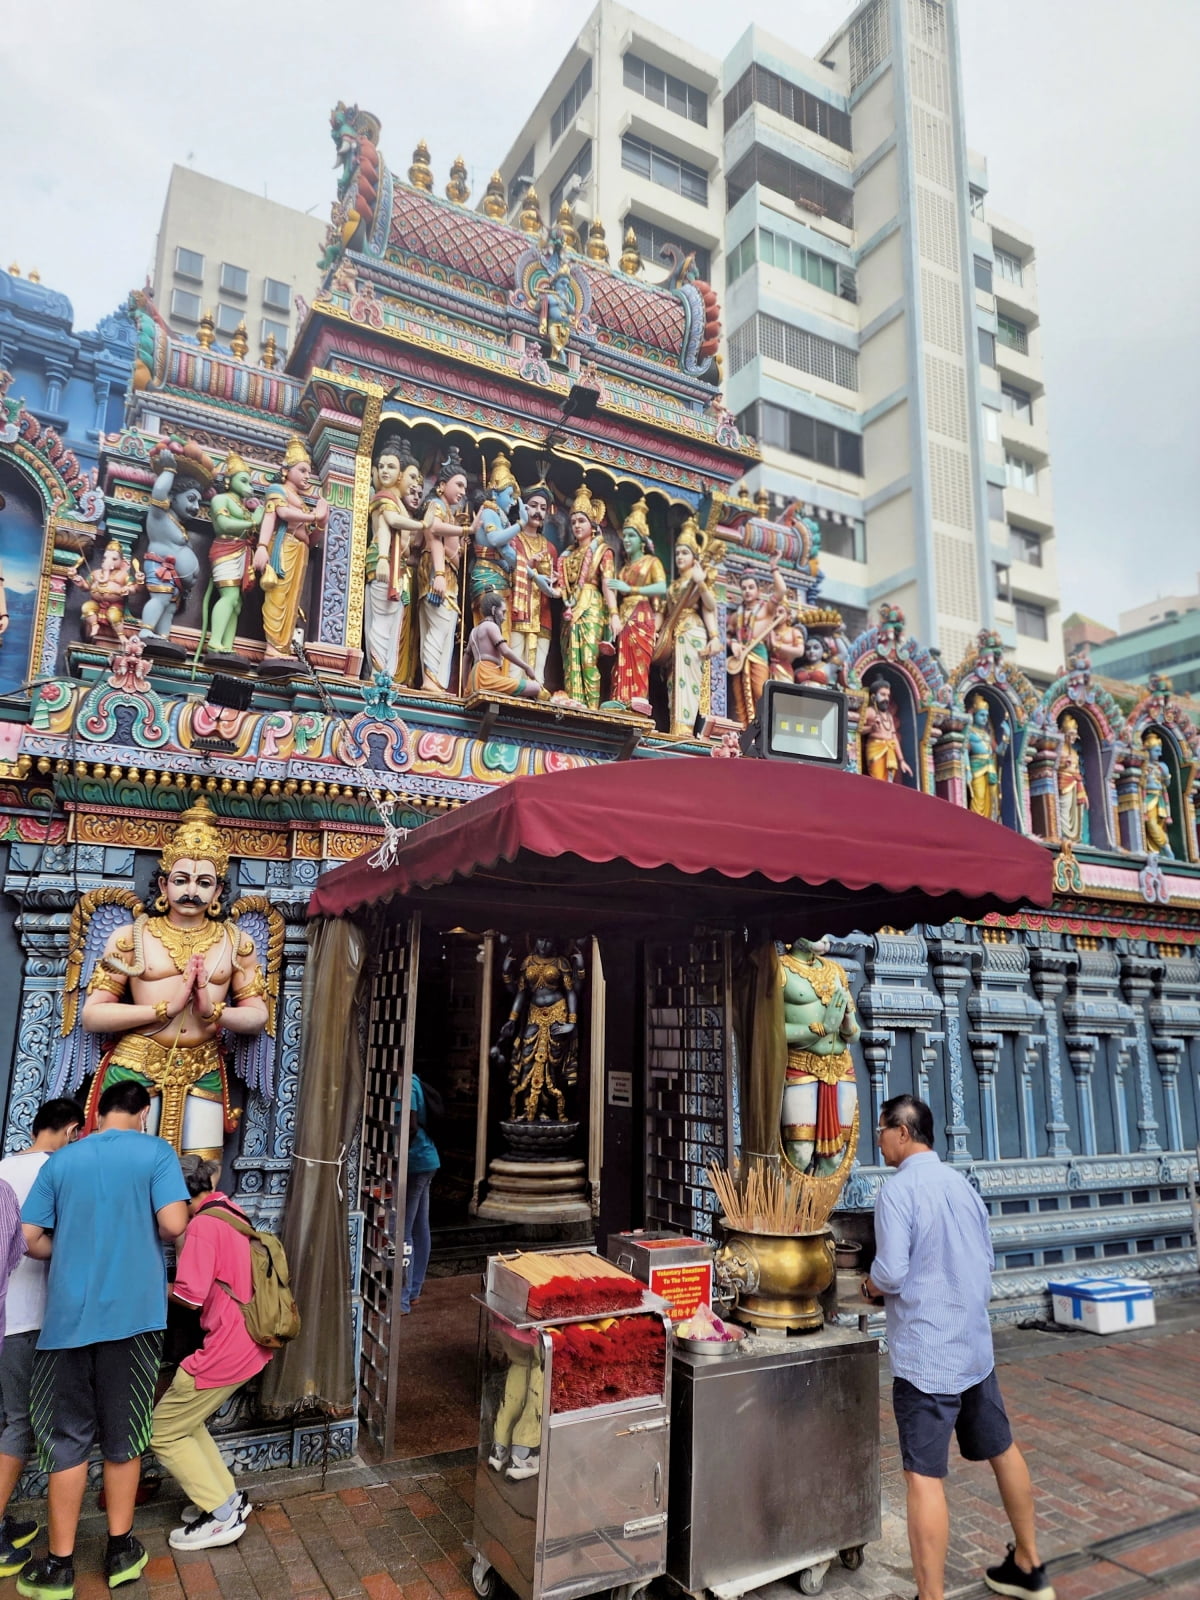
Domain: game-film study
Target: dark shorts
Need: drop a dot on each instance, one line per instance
(16, 1375)
(101, 1392)
(925, 1422)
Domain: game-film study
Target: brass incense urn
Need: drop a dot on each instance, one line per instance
(778, 1277)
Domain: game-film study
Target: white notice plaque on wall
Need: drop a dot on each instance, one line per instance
(620, 1088)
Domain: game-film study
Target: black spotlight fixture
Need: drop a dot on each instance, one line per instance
(579, 405)
(798, 722)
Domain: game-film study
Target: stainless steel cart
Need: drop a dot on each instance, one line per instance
(774, 1462)
(594, 1514)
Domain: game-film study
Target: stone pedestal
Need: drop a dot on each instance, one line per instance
(537, 1180)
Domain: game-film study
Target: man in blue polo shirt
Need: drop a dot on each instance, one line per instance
(99, 1210)
(933, 1267)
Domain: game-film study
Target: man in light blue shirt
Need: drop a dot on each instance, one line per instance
(933, 1268)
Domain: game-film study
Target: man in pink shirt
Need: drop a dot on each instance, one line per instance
(212, 1255)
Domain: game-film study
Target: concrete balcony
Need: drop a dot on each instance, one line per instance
(1028, 582)
(1036, 511)
(1025, 438)
(1015, 299)
(1024, 370)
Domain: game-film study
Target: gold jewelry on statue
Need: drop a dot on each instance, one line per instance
(256, 986)
(161, 1012)
(183, 943)
(161, 906)
(214, 910)
(818, 1028)
(197, 838)
(216, 1012)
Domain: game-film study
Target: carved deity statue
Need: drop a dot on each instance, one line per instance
(748, 632)
(169, 986)
(985, 750)
(108, 588)
(581, 578)
(237, 515)
(437, 574)
(543, 1023)
(820, 1095)
(815, 667)
(493, 660)
(292, 525)
(494, 556)
(641, 587)
(532, 582)
(389, 611)
(879, 730)
(183, 473)
(1072, 790)
(689, 639)
(1156, 795)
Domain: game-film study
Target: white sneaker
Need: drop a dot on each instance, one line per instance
(207, 1532)
(526, 1463)
(498, 1457)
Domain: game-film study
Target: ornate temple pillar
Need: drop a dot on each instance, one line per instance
(985, 1050)
(1030, 1059)
(877, 1044)
(58, 375)
(1139, 975)
(1042, 778)
(1120, 1110)
(1082, 1048)
(341, 451)
(949, 782)
(953, 960)
(1050, 971)
(1171, 1054)
(43, 934)
(1130, 831)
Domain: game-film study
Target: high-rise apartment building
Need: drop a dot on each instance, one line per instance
(882, 332)
(236, 254)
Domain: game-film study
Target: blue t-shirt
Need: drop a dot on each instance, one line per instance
(422, 1152)
(100, 1196)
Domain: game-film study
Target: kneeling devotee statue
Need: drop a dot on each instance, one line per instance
(168, 984)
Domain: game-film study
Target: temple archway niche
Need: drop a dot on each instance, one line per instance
(904, 705)
(1002, 730)
(22, 537)
(1084, 812)
(1161, 751)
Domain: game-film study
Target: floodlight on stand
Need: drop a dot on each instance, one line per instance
(234, 694)
(581, 402)
(798, 722)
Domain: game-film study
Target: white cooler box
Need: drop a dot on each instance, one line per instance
(1103, 1305)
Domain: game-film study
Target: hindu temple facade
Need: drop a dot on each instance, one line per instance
(1059, 1048)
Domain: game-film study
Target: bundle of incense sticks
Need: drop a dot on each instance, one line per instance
(763, 1199)
(564, 1285)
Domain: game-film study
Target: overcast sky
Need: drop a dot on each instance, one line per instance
(1081, 106)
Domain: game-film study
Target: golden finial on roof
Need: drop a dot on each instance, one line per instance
(206, 332)
(530, 218)
(597, 245)
(494, 204)
(565, 223)
(631, 256)
(240, 342)
(762, 504)
(270, 355)
(420, 174)
(14, 269)
(34, 275)
(457, 189)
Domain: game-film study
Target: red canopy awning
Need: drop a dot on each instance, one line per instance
(662, 846)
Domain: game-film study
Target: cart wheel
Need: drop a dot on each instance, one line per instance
(852, 1559)
(483, 1578)
(812, 1579)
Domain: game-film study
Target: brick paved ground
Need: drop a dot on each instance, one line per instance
(1111, 1428)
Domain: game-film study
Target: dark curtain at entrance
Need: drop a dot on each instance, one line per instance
(761, 1047)
(316, 1371)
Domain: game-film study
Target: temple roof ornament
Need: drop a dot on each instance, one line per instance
(420, 174)
(494, 203)
(457, 189)
(631, 256)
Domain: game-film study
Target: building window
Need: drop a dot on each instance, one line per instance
(1009, 267)
(571, 102)
(228, 318)
(1020, 473)
(651, 240)
(1024, 546)
(665, 89)
(991, 425)
(741, 258)
(995, 498)
(275, 294)
(1016, 403)
(521, 178)
(983, 274)
(1031, 619)
(189, 264)
(672, 172)
(803, 436)
(804, 188)
(580, 167)
(977, 202)
(278, 329)
(1014, 334)
(185, 305)
(793, 347)
(987, 347)
(234, 280)
(758, 86)
(777, 250)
